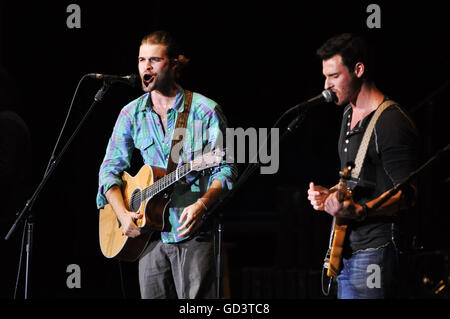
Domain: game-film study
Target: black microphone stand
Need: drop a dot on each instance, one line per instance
(302, 109)
(26, 211)
(394, 190)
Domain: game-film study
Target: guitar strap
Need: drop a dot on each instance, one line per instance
(360, 156)
(181, 123)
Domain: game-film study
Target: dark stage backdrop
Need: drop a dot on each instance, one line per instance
(255, 59)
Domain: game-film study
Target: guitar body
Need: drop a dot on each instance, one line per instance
(113, 243)
(339, 230)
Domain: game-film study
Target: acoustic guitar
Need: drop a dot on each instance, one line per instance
(149, 193)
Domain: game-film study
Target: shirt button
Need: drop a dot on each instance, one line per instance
(345, 149)
(348, 124)
(346, 141)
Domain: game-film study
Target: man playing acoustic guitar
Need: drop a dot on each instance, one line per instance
(370, 246)
(174, 264)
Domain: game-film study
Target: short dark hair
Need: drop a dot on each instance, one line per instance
(352, 48)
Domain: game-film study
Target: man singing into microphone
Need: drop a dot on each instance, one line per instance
(176, 263)
(370, 256)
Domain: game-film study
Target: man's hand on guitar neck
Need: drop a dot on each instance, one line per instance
(346, 209)
(126, 218)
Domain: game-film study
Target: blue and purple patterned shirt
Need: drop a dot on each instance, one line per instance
(138, 126)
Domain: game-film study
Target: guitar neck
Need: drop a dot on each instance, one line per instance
(341, 190)
(166, 181)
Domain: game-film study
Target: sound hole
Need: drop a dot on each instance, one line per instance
(135, 201)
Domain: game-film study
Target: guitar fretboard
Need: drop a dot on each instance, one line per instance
(166, 181)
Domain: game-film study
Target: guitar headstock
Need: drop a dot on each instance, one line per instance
(345, 173)
(208, 160)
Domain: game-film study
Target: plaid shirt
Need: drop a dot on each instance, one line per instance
(138, 126)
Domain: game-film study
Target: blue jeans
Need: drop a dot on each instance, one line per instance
(369, 274)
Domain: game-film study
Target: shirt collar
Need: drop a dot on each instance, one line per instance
(178, 104)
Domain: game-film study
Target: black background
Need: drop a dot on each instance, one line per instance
(256, 59)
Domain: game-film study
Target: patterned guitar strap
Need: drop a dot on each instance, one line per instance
(360, 156)
(181, 123)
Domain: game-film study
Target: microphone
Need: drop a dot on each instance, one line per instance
(127, 79)
(326, 96)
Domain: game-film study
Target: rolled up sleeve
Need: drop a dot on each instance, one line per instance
(117, 157)
(226, 173)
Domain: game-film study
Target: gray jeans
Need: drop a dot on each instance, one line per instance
(185, 270)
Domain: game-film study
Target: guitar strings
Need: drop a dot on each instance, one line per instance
(161, 184)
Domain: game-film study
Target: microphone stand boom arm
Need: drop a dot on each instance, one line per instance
(394, 190)
(54, 162)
